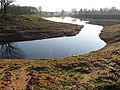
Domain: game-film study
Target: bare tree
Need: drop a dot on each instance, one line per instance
(62, 13)
(11, 51)
(1, 4)
(4, 5)
(40, 9)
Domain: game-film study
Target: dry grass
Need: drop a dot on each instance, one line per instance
(28, 27)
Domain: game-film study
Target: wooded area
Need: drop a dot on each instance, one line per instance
(4, 5)
(6, 8)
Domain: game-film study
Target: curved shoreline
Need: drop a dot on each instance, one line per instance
(26, 27)
(111, 34)
(98, 70)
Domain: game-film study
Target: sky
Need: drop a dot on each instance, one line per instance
(67, 5)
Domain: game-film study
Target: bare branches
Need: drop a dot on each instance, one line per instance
(10, 51)
(7, 1)
(4, 5)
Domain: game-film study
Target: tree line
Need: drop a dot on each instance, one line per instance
(93, 13)
(7, 8)
(13, 9)
(18, 10)
(102, 13)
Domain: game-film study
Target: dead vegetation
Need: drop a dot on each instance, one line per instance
(28, 27)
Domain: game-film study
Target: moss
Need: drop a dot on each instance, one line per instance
(41, 69)
(94, 79)
(30, 18)
(76, 77)
(70, 74)
(117, 57)
(98, 64)
(1, 67)
(67, 81)
(102, 85)
(12, 68)
(67, 88)
(80, 70)
(118, 82)
(82, 89)
(51, 87)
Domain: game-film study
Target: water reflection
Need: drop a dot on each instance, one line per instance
(10, 51)
(86, 41)
(74, 19)
(63, 17)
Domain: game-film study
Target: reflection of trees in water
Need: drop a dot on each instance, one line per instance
(63, 17)
(10, 51)
(74, 19)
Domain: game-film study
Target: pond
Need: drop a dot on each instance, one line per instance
(86, 41)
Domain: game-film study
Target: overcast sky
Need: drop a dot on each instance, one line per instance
(58, 5)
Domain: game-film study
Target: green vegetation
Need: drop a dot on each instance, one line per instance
(12, 68)
(80, 70)
(78, 77)
(102, 85)
(30, 18)
(98, 64)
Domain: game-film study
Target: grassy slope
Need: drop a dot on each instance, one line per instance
(26, 27)
(111, 34)
(97, 70)
(104, 22)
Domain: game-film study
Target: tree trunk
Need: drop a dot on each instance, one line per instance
(5, 8)
(1, 8)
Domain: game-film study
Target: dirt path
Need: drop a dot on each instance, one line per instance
(14, 80)
(19, 80)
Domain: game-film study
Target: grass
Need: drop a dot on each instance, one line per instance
(98, 64)
(41, 69)
(102, 85)
(67, 88)
(30, 18)
(80, 70)
(76, 77)
(29, 27)
(11, 68)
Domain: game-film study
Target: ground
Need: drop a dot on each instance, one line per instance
(98, 70)
(104, 22)
(30, 27)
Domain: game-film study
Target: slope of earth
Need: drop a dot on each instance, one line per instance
(29, 27)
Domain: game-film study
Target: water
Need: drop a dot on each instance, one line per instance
(86, 41)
